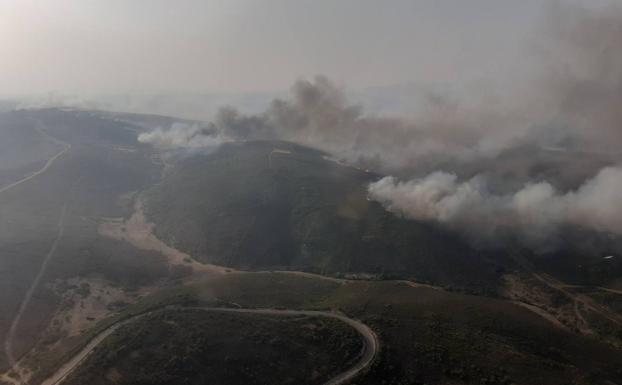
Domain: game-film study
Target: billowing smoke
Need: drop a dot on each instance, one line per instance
(582, 49)
(181, 135)
(319, 115)
(573, 111)
(532, 156)
(536, 210)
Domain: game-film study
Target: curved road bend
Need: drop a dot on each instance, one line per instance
(369, 350)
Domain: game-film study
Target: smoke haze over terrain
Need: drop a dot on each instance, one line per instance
(569, 109)
(578, 105)
(535, 211)
(252, 192)
(240, 46)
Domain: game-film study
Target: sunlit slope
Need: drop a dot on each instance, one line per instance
(269, 205)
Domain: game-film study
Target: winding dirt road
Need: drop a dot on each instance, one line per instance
(46, 166)
(8, 342)
(368, 353)
(580, 300)
(10, 338)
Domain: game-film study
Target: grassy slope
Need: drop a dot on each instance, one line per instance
(197, 347)
(433, 336)
(579, 259)
(427, 335)
(89, 178)
(245, 208)
(22, 148)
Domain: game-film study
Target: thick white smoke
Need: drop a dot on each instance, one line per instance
(181, 135)
(536, 209)
(562, 123)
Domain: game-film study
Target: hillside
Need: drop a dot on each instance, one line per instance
(276, 205)
(49, 223)
(426, 335)
(198, 347)
(23, 149)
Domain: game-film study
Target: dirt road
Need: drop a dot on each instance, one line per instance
(607, 289)
(368, 353)
(139, 233)
(579, 300)
(8, 342)
(48, 164)
(10, 338)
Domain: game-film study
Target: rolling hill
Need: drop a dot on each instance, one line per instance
(269, 205)
(277, 205)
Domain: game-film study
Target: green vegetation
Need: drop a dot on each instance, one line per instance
(22, 149)
(431, 336)
(606, 328)
(248, 207)
(610, 299)
(579, 258)
(197, 347)
(275, 205)
(90, 179)
(426, 335)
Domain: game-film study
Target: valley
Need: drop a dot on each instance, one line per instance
(266, 233)
(281, 192)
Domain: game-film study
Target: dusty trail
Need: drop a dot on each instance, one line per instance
(541, 313)
(48, 164)
(614, 291)
(10, 338)
(8, 343)
(607, 289)
(139, 233)
(580, 299)
(367, 355)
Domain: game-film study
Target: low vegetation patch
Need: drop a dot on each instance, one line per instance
(193, 346)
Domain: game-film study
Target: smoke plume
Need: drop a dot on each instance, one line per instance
(181, 135)
(536, 210)
(532, 156)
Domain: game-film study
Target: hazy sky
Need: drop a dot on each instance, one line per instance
(262, 45)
